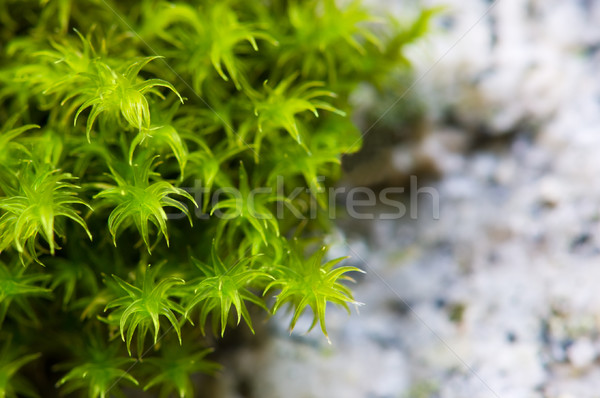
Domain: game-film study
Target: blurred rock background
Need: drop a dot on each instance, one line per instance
(499, 294)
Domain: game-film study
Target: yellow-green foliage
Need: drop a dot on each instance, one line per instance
(120, 121)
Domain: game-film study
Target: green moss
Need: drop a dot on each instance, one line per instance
(118, 119)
